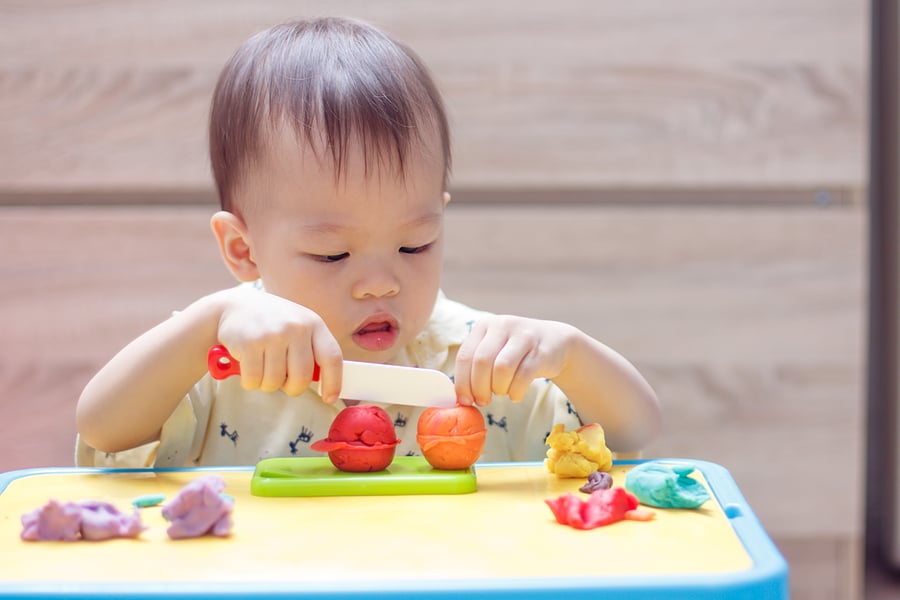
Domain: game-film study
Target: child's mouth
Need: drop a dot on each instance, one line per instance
(376, 336)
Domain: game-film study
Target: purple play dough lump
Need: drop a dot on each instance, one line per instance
(71, 521)
(53, 521)
(598, 480)
(199, 509)
(102, 520)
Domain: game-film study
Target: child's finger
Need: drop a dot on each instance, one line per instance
(251, 369)
(330, 375)
(274, 370)
(507, 364)
(463, 370)
(299, 371)
(525, 374)
(327, 354)
(483, 361)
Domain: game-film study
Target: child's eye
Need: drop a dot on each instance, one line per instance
(414, 250)
(331, 258)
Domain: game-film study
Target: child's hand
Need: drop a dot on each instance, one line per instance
(504, 354)
(278, 343)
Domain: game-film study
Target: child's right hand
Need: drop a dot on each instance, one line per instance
(278, 343)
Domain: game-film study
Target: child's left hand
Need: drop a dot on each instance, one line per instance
(503, 354)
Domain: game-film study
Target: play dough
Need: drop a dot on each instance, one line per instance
(361, 438)
(577, 453)
(451, 438)
(71, 521)
(199, 509)
(148, 500)
(666, 486)
(598, 480)
(602, 507)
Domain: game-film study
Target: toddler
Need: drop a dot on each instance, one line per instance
(331, 153)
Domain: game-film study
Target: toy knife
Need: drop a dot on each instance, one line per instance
(366, 382)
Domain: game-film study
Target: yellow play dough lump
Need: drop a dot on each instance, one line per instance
(579, 452)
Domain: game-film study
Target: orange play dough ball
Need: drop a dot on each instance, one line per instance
(451, 438)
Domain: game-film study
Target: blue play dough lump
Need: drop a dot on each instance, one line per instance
(665, 486)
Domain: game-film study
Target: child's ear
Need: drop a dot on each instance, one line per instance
(446, 198)
(234, 245)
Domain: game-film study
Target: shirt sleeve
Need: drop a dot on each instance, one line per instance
(177, 443)
(135, 458)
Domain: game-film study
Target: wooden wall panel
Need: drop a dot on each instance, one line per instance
(109, 94)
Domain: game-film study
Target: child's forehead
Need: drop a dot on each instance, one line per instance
(293, 171)
(291, 148)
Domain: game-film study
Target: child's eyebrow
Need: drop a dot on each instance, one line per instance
(426, 220)
(323, 228)
(329, 228)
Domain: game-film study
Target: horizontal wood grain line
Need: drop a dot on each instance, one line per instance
(148, 31)
(519, 124)
(675, 196)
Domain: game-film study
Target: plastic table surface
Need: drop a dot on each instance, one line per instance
(498, 542)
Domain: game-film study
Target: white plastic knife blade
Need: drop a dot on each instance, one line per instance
(366, 382)
(392, 384)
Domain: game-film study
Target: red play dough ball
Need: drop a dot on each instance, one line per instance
(360, 459)
(451, 438)
(361, 438)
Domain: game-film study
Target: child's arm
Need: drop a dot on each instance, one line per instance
(504, 354)
(277, 342)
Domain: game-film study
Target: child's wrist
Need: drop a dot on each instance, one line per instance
(206, 313)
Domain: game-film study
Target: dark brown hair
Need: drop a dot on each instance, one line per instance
(335, 82)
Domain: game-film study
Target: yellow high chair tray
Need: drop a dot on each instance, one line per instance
(500, 541)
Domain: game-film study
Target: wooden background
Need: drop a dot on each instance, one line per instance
(685, 181)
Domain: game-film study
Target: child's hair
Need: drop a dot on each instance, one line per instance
(335, 82)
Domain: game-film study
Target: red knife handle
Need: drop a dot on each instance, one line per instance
(222, 364)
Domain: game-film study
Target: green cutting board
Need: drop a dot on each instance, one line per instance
(316, 476)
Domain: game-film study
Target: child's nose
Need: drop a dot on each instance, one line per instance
(376, 281)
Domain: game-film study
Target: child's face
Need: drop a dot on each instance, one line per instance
(364, 252)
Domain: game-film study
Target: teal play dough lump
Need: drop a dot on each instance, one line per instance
(148, 500)
(665, 486)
